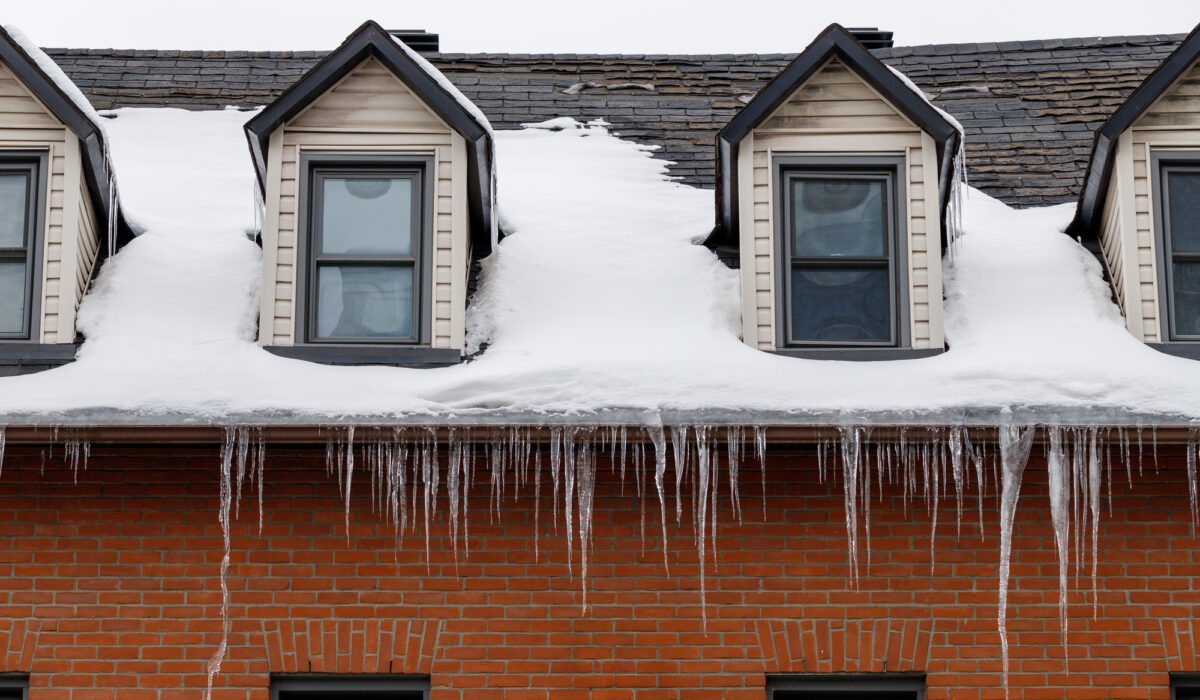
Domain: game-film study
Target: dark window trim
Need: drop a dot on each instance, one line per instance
(311, 163)
(407, 356)
(1189, 683)
(1161, 163)
(14, 682)
(305, 686)
(847, 687)
(33, 162)
(784, 168)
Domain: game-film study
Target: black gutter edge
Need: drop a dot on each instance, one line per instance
(92, 148)
(391, 356)
(1190, 351)
(372, 40)
(833, 41)
(1086, 224)
(859, 354)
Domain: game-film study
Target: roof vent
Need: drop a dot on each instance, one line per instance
(418, 40)
(872, 38)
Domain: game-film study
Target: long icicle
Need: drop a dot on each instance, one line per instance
(1015, 445)
(1058, 476)
(659, 438)
(226, 495)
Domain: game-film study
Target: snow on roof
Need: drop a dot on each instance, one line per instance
(447, 86)
(598, 307)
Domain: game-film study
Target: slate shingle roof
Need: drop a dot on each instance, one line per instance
(1029, 108)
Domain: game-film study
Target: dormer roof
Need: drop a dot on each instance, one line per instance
(1099, 171)
(69, 106)
(372, 40)
(834, 41)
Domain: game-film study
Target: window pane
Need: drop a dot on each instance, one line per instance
(1185, 307)
(840, 304)
(12, 297)
(838, 216)
(14, 191)
(367, 215)
(1184, 199)
(364, 302)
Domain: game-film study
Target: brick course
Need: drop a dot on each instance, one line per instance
(109, 588)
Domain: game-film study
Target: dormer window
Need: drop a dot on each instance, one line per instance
(377, 179)
(839, 252)
(1140, 204)
(368, 235)
(20, 241)
(832, 200)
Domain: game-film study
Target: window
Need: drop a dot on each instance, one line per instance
(356, 687)
(14, 687)
(365, 278)
(846, 687)
(21, 191)
(1185, 686)
(840, 280)
(1179, 244)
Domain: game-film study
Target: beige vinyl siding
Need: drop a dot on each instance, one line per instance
(1172, 123)
(836, 112)
(369, 111)
(1111, 243)
(89, 244)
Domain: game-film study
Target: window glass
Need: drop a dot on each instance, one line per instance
(14, 193)
(1185, 277)
(13, 295)
(1185, 210)
(367, 215)
(360, 301)
(840, 304)
(838, 216)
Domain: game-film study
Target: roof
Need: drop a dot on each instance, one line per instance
(372, 40)
(55, 93)
(1091, 200)
(1029, 107)
(833, 41)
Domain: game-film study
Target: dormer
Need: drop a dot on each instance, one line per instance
(1140, 203)
(377, 180)
(832, 193)
(57, 206)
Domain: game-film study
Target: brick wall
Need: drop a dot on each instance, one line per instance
(109, 588)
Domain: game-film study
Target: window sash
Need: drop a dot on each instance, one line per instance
(784, 296)
(27, 252)
(317, 259)
(1169, 256)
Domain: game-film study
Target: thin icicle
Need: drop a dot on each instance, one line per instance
(733, 442)
(2, 431)
(760, 448)
(1191, 478)
(956, 472)
(1094, 473)
(349, 469)
(679, 444)
(851, 445)
(703, 468)
(585, 483)
(1058, 476)
(1015, 445)
(659, 438)
(226, 495)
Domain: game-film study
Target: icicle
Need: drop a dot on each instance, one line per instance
(260, 463)
(851, 443)
(537, 501)
(1015, 445)
(226, 495)
(760, 448)
(1094, 472)
(556, 439)
(703, 467)
(349, 462)
(659, 439)
(2, 431)
(569, 490)
(1057, 466)
(452, 474)
(956, 471)
(679, 445)
(733, 441)
(1191, 477)
(936, 469)
(585, 482)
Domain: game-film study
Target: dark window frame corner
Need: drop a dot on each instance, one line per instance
(420, 166)
(14, 686)
(1162, 163)
(1185, 686)
(887, 167)
(34, 162)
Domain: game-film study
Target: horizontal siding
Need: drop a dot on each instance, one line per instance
(1110, 241)
(18, 108)
(89, 244)
(836, 112)
(370, 111)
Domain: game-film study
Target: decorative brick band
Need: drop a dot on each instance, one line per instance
(844, 646)
(351, 646)
(1179, 640)
(18, 639)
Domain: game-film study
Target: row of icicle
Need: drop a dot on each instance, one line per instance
(409, 469)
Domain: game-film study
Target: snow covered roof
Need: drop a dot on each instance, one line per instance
(599, 307)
